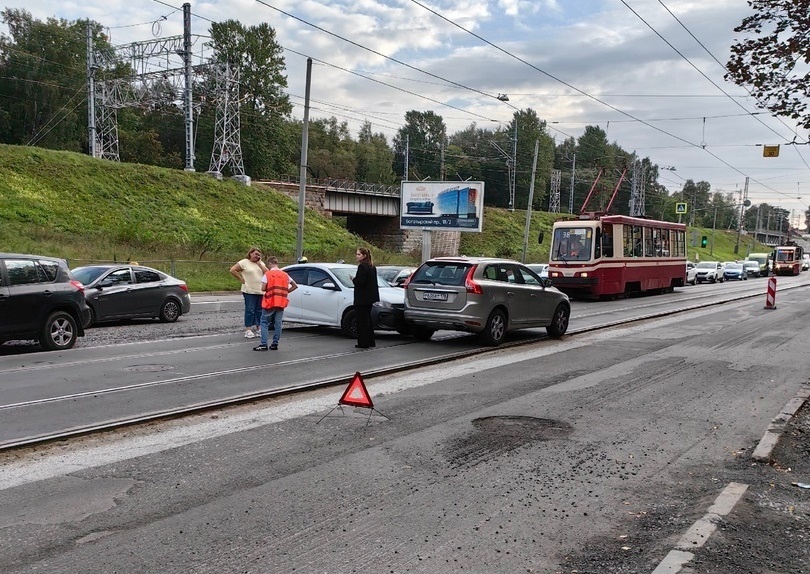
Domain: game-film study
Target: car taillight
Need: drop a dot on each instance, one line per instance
(77, 285)
(183, 287)
(470, 285)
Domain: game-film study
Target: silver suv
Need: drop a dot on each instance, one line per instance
(482, 295)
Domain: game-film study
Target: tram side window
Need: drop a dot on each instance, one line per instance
(679, 243)
(632, 241)
(607, 240)
(649, 247)
(597, 244)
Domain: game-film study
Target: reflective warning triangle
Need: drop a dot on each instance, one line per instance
(356, 394)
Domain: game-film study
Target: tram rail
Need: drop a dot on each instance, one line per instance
(694, 301)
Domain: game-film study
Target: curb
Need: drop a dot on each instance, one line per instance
(762, 453)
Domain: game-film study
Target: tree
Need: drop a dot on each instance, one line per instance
(768, 60)
(268, 142)
(532, 129)
(43, 80)
(425, 134)
(375, 158)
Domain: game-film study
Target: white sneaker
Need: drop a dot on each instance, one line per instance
(249, 334)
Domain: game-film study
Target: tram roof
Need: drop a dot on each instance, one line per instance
(626, 220)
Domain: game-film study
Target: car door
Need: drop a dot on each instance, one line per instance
(295, 307)
(321, 304)
(114, 294)
(518, 295)
(148, 292)
(29, 299)
(540, 305)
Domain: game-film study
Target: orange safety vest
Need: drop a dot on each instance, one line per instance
(278, 287)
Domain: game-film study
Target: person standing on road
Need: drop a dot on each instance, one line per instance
(249, 271)
(366, 293)
(276, 285)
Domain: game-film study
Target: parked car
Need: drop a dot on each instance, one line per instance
(691, 273)
(395, 274)
(40, 299)
(541, 269)
(751, 268)
(482, 295)
(734, 272)
(325, 296)
(709, 271)
(115, 292)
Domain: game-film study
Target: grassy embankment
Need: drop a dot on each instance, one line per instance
(72, 206)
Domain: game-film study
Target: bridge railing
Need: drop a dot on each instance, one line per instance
(344, 185)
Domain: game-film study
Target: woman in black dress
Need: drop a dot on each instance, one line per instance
(366, 293)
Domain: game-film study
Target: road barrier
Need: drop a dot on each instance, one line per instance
(770, 298)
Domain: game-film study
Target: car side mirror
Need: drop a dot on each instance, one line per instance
(329, 286)
(106, 283)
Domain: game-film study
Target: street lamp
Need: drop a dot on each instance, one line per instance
(503, 97)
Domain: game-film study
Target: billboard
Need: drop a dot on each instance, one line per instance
(450, 206)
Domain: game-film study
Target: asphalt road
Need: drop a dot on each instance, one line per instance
(591, 454)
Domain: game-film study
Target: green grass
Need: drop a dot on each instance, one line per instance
(69, 205)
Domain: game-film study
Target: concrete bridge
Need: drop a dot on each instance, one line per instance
(371, 211)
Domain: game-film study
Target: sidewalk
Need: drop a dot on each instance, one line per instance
(768, 530)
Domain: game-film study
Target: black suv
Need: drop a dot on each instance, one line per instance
(39, 299)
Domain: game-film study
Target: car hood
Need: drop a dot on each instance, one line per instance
(393, 295)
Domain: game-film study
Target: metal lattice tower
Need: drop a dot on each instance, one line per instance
(554, 197)
(151, 83)
(227, 150)
(637, 196)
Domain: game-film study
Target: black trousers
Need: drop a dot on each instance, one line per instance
(365, 334)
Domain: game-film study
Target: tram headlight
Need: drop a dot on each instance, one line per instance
(582, 274)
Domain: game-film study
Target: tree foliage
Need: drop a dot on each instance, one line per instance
(771, 59)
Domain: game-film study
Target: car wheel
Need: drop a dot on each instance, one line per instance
(59, 332)
(495, 329)
(349, 324)
(421, 332)
(559, 322)
(170, 311)
(92, 317)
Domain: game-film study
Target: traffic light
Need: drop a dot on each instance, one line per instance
(704, 241)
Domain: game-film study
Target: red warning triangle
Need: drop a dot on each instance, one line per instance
(356, 394)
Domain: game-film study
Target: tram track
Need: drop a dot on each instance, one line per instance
(695, 301)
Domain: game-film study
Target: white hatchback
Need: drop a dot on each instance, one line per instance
(325, 296)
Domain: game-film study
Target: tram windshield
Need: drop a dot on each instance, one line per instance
(572, 244)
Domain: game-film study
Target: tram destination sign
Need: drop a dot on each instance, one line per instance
(446, 205)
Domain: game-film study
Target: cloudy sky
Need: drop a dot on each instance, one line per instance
(646, 71)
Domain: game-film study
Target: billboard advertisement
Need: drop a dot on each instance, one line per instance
(450, 206)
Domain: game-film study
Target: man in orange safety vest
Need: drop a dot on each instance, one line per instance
(276, 285)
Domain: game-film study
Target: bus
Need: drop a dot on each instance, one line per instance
(612, 255)
(787, 259)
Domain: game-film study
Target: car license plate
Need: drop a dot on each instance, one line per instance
(434, 296)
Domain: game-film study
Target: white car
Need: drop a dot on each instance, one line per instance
(540, 268)
(325, 296)
(709, 271)
(691, 273)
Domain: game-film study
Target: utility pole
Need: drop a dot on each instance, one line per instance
(302, 185)
(407, 150)
(571, 195)
(514, 170)
(531, 198)
(714, 226)
(91, 94)
(740, 220)
(188, 110)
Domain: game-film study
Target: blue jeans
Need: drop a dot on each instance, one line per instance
(273, 315)
(253, 309)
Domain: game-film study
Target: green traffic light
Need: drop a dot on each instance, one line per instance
(704, 241)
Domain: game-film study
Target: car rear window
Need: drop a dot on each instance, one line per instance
(441, 273)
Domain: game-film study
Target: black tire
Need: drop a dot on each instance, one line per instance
(59, 332)
(422, 333)
(495, 329)
(170, 311)
(349, 323)
(559, 321)
(92, 317)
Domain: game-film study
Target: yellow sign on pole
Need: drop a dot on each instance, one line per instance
(770, 151)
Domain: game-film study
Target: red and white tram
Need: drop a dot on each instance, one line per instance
(609, 255)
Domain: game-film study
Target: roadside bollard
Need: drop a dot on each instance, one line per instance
(770, 298)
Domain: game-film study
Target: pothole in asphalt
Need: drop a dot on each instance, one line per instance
(499, 434)
(149, 368)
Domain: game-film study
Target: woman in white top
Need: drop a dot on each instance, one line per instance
(250, 271)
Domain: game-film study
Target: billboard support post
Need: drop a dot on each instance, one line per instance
(426, 247)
